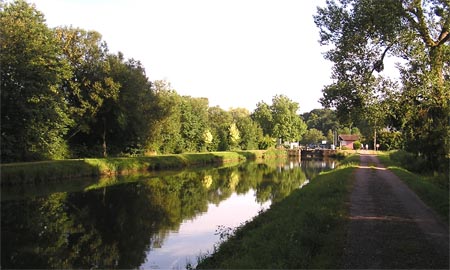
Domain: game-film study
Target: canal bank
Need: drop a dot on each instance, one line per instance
(64, 170)
(305, 230)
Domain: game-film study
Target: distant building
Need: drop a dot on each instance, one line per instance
(347, 140)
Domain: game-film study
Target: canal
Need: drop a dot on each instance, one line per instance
(158, 221)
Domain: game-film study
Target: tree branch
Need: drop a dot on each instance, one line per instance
(445, 35)
(379, 66)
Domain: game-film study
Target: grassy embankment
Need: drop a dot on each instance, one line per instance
(433, 189)
(305, 230)
(62, 170)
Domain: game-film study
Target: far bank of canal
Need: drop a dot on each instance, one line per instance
(164, 220)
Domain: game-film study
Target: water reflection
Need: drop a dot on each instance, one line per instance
(119, 226)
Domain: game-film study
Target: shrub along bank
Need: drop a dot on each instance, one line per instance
(59, 170)
(305, 230)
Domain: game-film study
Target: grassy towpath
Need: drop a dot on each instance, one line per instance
(390, 227)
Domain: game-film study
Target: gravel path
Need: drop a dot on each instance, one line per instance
(390, 227)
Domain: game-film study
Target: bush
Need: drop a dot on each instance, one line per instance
(357, 145)
(410, 161)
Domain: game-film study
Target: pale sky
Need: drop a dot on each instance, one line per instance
(234, 52)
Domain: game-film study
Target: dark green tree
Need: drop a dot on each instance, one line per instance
(34, 114)
(129, 117)
(91, 88)
(219, 121)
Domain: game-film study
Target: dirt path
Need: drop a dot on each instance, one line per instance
(390, 226)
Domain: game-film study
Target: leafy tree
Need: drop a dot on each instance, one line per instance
(312, 136)
(129, 118)
(34, 115)
(165, 133)
(91, 88)
(194, 121)
(362, 33)
(250, 132)
(321, 119)
(219, 120)
(287, 124)
(263, 116)
(234, 136)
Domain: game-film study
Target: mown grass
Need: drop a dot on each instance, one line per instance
(305, 230)
(432, 189)
(62, 170)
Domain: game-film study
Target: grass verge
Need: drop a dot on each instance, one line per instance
(430, 188)
(305, 230)
(61, 170)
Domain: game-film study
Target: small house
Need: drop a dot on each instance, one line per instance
(347, 140)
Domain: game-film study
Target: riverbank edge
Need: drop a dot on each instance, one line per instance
(305, 230)
(64, 170)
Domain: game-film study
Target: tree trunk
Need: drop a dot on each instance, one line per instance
(437, 65)
(104, 138)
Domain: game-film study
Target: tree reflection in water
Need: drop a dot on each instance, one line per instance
(116, 226)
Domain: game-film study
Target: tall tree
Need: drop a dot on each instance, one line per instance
(129, 118)
(91, 88)
(363, 33)
(34, 114)
(165, 132)
(194, 122)
(263, 116)
(250, 132)
(219, 122)
(287, 124)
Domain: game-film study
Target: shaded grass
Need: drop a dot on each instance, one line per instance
(305, 230)
(61, 170)
(429, 188)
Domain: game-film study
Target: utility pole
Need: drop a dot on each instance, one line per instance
(375, 140)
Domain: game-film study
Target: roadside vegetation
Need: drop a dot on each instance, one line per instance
(305, 230)
(431, 187)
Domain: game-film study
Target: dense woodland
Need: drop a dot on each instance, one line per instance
(64, 95)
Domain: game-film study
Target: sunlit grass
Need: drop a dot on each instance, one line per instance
(64, 170)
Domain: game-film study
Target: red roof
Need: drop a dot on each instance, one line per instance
(348, 137)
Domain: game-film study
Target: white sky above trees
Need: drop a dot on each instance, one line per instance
(233, 52)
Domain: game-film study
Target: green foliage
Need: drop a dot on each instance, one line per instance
(390, 140)
(361, 39)
(194, 121)
(321, 119)
(312, 136)
(356, 145)
(280, 120)
(34, 116)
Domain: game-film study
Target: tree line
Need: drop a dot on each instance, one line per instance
(64, 95)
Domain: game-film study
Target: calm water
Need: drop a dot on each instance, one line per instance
(147, 222)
